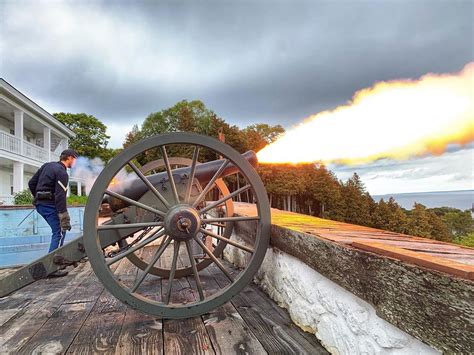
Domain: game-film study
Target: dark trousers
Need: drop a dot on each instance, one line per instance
(50, 214)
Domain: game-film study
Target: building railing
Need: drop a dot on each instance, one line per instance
(35, 152)
(12, 144)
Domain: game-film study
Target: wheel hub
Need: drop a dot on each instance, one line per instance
(182, 222)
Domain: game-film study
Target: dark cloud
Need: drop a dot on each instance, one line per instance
(276, 62)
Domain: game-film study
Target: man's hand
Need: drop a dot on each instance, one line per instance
(65, 221)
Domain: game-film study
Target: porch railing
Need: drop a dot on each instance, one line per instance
(34, 152)
(12, 144)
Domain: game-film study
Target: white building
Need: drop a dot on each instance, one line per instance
(29, 137)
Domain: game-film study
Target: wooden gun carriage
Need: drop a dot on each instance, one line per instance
(171, 202)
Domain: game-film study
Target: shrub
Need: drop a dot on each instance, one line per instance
(23, 198)
(75, 200)
(466, 240)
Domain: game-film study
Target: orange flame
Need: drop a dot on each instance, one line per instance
(395, 119)
(114, 182)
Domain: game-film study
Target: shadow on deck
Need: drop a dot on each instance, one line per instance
(75, 314)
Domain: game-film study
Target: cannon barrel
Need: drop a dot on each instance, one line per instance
(135, 188)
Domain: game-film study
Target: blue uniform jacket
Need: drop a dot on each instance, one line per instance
(51, 177)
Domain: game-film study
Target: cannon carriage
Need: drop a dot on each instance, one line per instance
(174, 203)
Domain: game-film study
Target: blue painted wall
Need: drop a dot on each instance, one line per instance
(25, 235)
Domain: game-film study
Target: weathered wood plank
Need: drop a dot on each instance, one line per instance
(99, 334)
(229, 334)
(101, 330)
(24, 324)
(88, 291)
(141, 334)
(11, 306)
(274, 332)
(186, 336)
(57, 333)
(253, 295)
(421, 259)
(183, 336)
(225, 327)
(46, 297)
(151, 285)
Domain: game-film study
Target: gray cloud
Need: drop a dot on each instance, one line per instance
(249, 61)
(450, 171)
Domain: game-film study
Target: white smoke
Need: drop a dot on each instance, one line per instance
(87, 170)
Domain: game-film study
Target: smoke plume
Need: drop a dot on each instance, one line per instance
(396, 119)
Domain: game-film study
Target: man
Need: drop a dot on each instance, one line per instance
(49, 188)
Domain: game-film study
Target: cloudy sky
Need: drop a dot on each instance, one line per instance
(250, 61)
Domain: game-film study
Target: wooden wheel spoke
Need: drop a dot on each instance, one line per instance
(149, 184)
(140, 245)
(170, 173)
(195, 271)
(134, 203)
(228, 241)
(130, 225)
(224, 199)
(152, 263)
(172, 271)
(211, 182)
(214, 259)
(191, 175)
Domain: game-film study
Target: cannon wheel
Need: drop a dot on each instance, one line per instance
(172, 234)
(203, 263)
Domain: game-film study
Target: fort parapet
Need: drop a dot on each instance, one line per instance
(364, 290)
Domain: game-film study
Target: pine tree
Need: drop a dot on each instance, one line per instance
(419, 221)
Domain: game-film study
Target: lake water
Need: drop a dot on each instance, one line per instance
(463, 200)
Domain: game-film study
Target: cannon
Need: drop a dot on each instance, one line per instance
(179, 206)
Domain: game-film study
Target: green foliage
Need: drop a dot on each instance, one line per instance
(259, 135)
(75, 200)
(459, 222)
(357, 203)
(466, 240)
(91, 139)
(419, 224)
(194, 116)
(23, 198)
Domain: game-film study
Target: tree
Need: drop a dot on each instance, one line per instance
(398, 220)
(132, 137)
(419, 221)
(259, 135)
(91, 138)
(460, 223)
(439, 230)
(357, 202)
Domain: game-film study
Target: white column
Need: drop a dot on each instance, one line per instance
(18, 176)
(47, 141)
(19, 128)
(79, 188)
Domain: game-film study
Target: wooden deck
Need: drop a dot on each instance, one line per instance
(75, 314)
